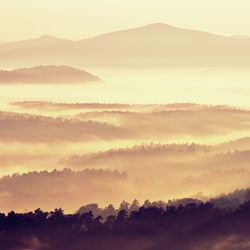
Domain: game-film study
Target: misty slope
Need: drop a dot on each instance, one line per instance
(48, 190)
(151, 45)
(203, 122)
(165, 158)
(31, 128)
(47, 74)
(170, 169)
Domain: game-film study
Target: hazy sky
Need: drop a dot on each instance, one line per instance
(77, 19)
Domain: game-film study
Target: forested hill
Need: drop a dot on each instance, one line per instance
(191, 227)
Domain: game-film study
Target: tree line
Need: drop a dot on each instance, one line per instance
(155, 228)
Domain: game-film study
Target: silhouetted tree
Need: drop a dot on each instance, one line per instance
(124, 206)
(134, 206)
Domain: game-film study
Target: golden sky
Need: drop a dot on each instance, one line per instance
(78, 19)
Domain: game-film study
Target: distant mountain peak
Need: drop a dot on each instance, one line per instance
(152, 45)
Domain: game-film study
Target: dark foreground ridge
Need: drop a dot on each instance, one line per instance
(191, 227)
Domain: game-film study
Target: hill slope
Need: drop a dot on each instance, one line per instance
(47, 74)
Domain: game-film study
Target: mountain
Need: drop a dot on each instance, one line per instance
(152, 45)
(47, 74)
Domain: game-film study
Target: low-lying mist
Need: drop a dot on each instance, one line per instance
(167, 151)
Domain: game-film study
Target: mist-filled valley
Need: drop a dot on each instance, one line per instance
(135, 139)
(166, 151)
(158, 85)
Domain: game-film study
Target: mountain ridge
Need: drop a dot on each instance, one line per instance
(147, 26)
(151, 45)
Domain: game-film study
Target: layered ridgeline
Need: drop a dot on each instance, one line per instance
(47, 74)
(167, 151)
(151, 45)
